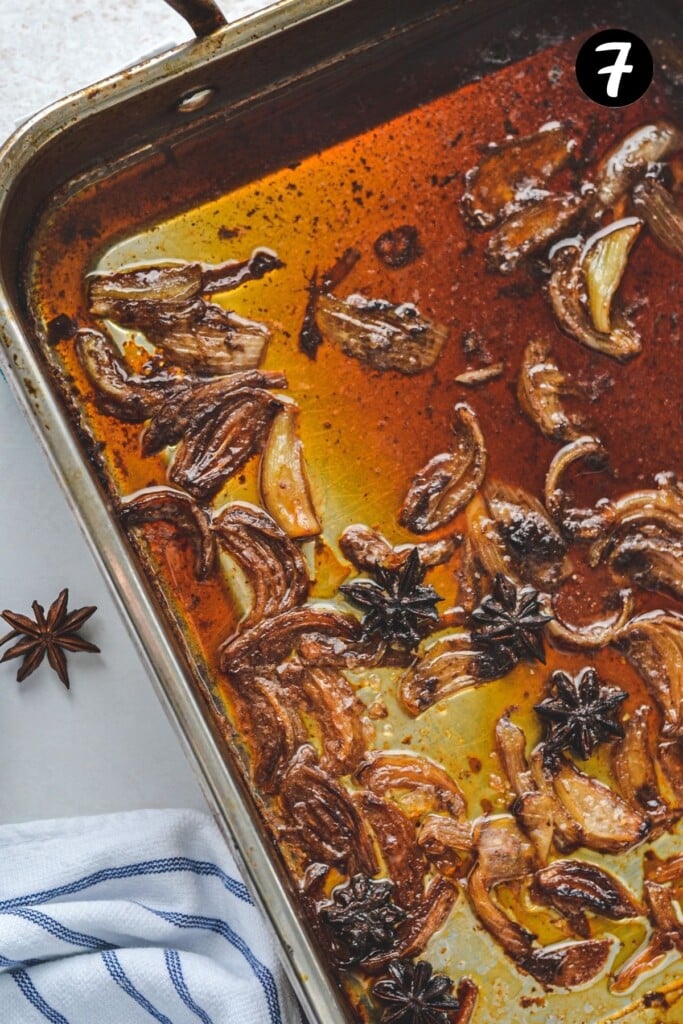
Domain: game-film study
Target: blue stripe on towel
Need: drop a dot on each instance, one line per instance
(34, 997)
(117, 972)
(214, 924)
(145, 867)
(175, 970)
(60, 931)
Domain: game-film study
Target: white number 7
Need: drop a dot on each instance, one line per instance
(616, 70)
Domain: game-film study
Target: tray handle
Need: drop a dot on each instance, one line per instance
(203, 16)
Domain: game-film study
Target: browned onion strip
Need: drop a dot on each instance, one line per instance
(273, 564)
(541, 386)
(428, 787)
(570, 965)
(565, 290)
(322, 818)
(439, 833)
(515, 940)
(120, 392)
(667, 937)
(670, 760)
(580, 524)
(605, 257)
(273, 640)
(607, 823)
(566, 831)
(536, 547)
(154, 503)
(384, 336)
(368, 549)
(274, 733)
(448, 667)
(662, 214)
(534, 810)
(404, 860)
(511, 748)
(628, 160)
(450, 480)
(326, 696)
(669, 870)
(590, 637)
(532, 227)
(634, 767)
(510, 173)
(653, 643)
(573, 887)
(661, 507)
(466, 994)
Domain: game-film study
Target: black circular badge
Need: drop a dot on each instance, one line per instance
(614, 68)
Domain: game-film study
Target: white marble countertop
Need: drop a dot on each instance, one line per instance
(106, 744)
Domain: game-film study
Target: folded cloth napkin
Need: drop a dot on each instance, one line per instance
(127, 918)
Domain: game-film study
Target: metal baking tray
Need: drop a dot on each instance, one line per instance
(293, 80)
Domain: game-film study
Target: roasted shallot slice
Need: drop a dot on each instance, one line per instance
(284, 484)
(369, 550)
(272, 563)
(607, 823)
(666, 938)
(510, 174)
(565, 290)
(629, 160)
(594, 636)
(541, 386)
(274, 732)
(531, 228)
(574, 887)
(653, 643)
(376, 332)
(661, 213)
(578, 523)
(605, 256)
(634, 767)
(165, 503)
(322, 819)
(450, 480)
(120, 393)
(418, 784)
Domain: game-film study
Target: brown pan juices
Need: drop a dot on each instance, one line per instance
(395, 431)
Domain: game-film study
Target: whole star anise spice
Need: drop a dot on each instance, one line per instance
(581, 714)
(511, 616)
(414, 995)
(362, 918)
(399, 606)
(50, 635)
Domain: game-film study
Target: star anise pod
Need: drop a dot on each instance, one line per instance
(414, 995)
(399, 606)
(511, 616)
(581, 714)
(50, 634)
(362, 917)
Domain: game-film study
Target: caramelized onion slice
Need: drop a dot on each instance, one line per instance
(162, 282)
(531, 228)
(426, 918)
(368, 549)
(540, 388)
(508, 174)
(273, 564)
(667, 936)
(274, 733)
(634, 767)
(418, 784)
(449, 480)
(210, 455)
(662, 214)
(178, 508)
(403, 859)
(284, 484)
(581, 524)
(590, 637)
(121, 393)
(565, 290)
(536, 547)
(628, 160)
(606, 821)
(323, 820)
(605, 256)
(219, 341)
(449, 666)
(573, 886)
(384, 336)
(653, 643)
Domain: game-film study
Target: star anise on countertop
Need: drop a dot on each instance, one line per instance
(399, 606)
(511, 616)
(581, 714)
(50, 634)
(414, 995)
(362, 917)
